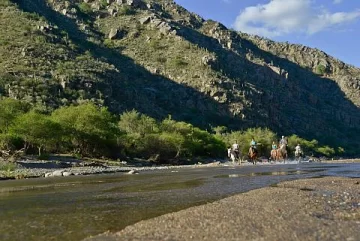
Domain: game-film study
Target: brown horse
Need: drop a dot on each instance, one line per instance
(281, 153)
(273, 155)
(253, 155)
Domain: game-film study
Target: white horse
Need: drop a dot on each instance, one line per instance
(298, 155)
(233, 155)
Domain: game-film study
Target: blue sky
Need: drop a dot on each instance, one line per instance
(330, 25)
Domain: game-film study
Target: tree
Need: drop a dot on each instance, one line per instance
(90, 130)
(37, 130)
(137, 124)
(196, 142)
(9, 110)
(326, 150)
(219, 130)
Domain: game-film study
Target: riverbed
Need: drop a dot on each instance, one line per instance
(75, 207)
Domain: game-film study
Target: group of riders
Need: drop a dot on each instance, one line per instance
(278, 152)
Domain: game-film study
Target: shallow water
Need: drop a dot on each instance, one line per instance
(76, 207)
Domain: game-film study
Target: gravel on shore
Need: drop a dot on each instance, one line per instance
(50, 168)
(309, 209)
(47, 169)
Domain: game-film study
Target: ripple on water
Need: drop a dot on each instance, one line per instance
(275, 173)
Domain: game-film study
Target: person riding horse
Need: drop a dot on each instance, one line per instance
(253, 151)
(273, 146)
(235, 149)
(282, 150)
(298, 151)
(253, 145)
(273, 153)
(283, 141)
(234, 152)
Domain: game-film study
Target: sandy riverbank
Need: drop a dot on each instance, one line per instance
(32, 168)
(311, 209)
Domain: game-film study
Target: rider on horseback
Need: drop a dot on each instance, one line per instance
(235, 149)
(273, 146)
(283, 141)
(253, 145)
(298, 151)
(253, 151)
(273, 153)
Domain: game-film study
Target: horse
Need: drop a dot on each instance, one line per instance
(282, 152)
(298, 155)
(234, 155)
(273, 155)
(253, 155)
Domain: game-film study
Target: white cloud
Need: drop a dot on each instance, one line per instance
(337, 1)
(280, 17)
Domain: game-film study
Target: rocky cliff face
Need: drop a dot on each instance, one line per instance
(160, 59)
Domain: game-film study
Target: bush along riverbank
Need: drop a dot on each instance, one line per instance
(87, 130)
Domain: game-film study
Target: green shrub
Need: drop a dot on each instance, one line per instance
(103, 3)
(155, 44)
(126, 10)
(32, 16)
(320, 69)
(87, 129)
(7, 166)
(10, 109)
(167, 140)
(85, 8)
(137, 124)
(5, 3)
(326, 151)
(10, 141)
(161, 60)
(196, 141)
(340, 150)
(109, 43)
(37, 130)
(178, 62)
(219, 130)
(164, 145)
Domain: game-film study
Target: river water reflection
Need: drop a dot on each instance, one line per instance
(76, 207)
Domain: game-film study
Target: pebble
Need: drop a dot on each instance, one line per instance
(87, 170)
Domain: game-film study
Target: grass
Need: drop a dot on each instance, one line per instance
(7, 166)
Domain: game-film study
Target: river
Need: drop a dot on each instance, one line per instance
(76, 207)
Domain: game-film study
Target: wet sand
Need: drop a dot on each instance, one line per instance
(309, 209)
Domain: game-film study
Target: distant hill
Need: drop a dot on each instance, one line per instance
(160, 59)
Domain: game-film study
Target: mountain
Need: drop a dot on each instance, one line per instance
(160, 59)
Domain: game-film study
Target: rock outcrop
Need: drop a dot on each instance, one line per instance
(160, 59)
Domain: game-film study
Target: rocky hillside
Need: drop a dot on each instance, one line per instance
(160, 59)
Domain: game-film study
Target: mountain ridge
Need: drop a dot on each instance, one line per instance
(158, 58)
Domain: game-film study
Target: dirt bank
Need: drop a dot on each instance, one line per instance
(311, 209)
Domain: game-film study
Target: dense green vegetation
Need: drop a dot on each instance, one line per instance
(92, 131)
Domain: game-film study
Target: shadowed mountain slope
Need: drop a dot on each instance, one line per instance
(157, 58)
